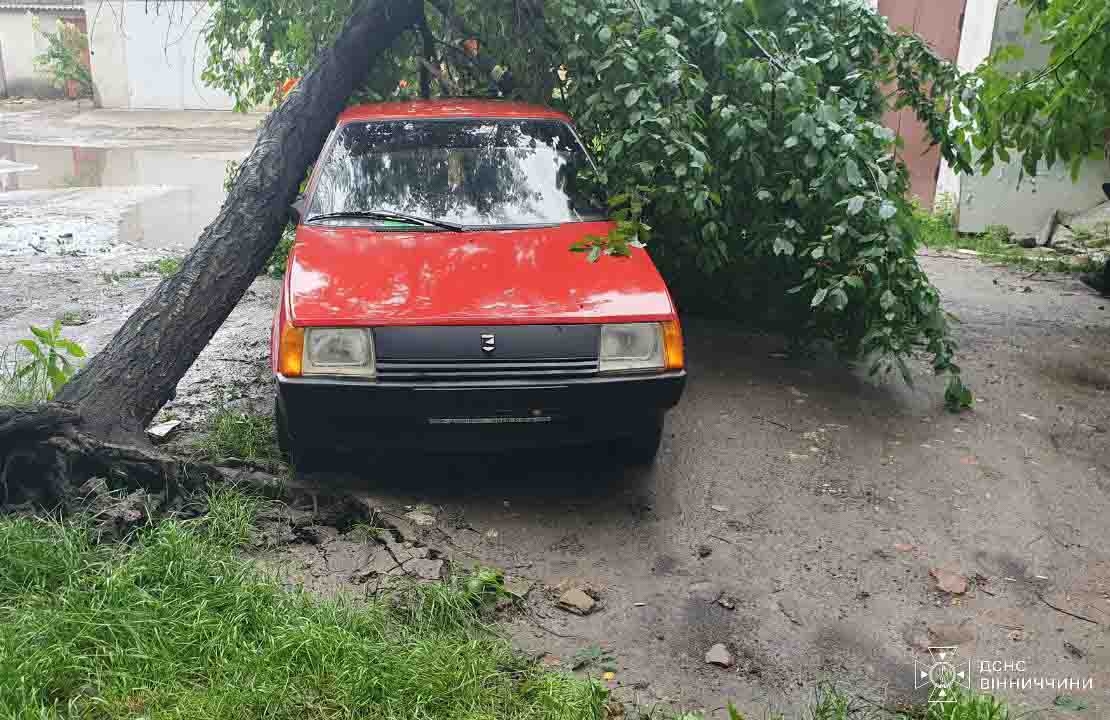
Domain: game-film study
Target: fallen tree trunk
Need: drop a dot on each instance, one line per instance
(105, 408)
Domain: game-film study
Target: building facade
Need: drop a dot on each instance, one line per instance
(21, 41)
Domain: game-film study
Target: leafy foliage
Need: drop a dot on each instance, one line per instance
(741, 140)
(1058, 113)
(64, 57)
(37, 367)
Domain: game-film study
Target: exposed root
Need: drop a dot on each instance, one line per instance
(45, 459)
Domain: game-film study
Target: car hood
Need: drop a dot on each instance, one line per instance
(360, 276)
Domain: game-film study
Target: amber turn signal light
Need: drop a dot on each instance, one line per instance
(291, 351)
(672, 345)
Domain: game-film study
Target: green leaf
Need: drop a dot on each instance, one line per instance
(721, 39)
(32, 347)
(819, 297)
(43, 335)
(855, 205)
(887, 210)
(782, 247)
(605, 34)
(956, 396)
(633, 96)
(851, 173)
(71, 347)
(594, 254)
(887, 300)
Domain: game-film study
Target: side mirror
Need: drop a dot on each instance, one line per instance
(296, 210)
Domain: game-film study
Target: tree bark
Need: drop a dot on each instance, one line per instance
(118, 393)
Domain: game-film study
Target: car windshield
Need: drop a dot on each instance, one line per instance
(474, 173)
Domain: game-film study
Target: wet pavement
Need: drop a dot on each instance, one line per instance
(88, 200)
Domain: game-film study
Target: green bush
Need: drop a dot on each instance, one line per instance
(64, 57)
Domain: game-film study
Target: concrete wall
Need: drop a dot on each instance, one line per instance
(999, 198)
(107, 52)
(20, 43)
(975, 46)
(145, 59)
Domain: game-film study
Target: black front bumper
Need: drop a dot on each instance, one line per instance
(475, 417)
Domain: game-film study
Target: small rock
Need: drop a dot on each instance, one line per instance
(720, 656)
(549, 660)
(718, 508)
(577, 601)
(704, 551)
(727, 603)
(518, 586)
(948, 581)
(381, 564)
(425, 569)
(965, 251)
(903, 547)
(162, 431)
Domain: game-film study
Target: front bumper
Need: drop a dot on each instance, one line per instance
(476, 417)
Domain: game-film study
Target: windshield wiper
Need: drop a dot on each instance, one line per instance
(388, 215)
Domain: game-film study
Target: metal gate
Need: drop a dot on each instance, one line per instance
(940, 23)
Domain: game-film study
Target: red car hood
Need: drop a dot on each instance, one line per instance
(358, 276)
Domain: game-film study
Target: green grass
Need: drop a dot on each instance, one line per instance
(937, 231)
(831, 703)
(230, 433)
(22, 381)
(71, 318)
(175, 624)
(162, 266)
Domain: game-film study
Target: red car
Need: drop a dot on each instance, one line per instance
(432, 302)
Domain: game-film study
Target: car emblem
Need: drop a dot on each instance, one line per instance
(489, 342)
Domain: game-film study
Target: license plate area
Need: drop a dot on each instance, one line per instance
(498, 420)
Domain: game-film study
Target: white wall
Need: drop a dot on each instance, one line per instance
(107, 52)
(19, 44)
(975, 47)
(146, 59)
(999, 198)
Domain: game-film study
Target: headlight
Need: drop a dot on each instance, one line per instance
(633, 346)
(339, 351)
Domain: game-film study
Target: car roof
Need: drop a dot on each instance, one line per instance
(449, 108)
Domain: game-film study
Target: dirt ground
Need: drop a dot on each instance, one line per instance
(794, 513)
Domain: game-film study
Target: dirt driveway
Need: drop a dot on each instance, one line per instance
(794, 514)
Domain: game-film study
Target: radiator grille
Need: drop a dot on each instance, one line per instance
(424, 371)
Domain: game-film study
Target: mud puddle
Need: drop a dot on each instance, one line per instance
(89, 201)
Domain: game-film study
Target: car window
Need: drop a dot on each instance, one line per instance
(485, 173)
